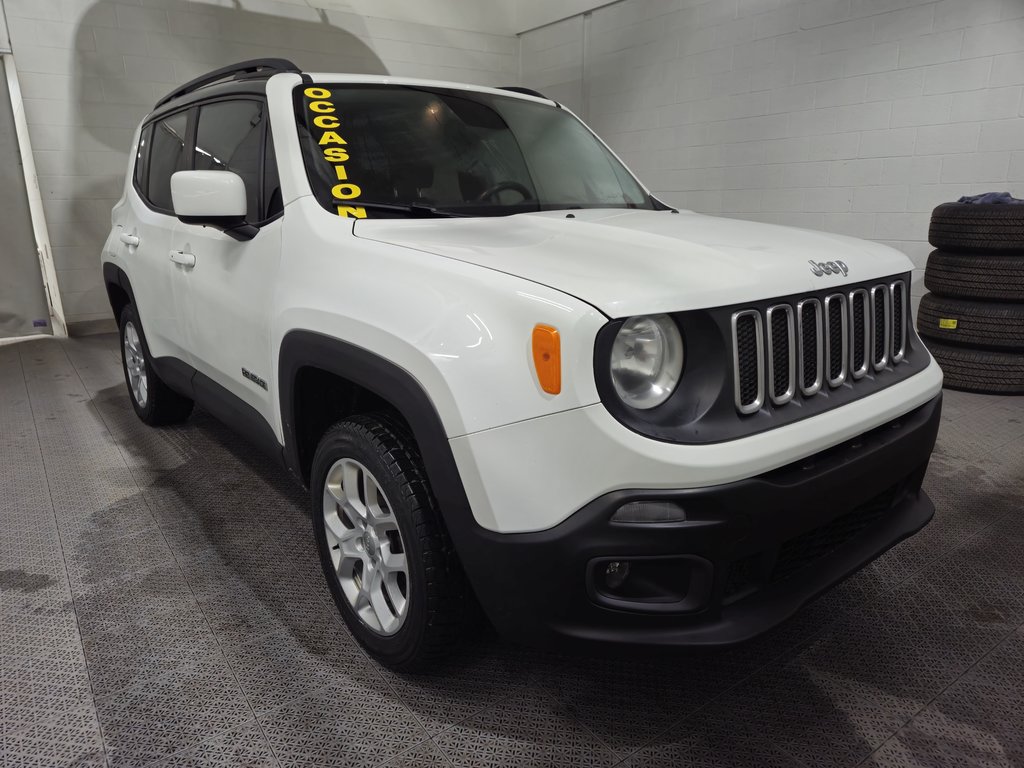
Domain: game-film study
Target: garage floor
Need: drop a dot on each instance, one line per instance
(161, 605)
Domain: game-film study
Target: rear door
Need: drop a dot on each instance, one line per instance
(228, 291)
(144, 227)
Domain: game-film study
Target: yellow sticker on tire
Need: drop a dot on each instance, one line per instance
(948, 323)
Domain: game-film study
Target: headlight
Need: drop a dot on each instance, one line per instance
(647, 358)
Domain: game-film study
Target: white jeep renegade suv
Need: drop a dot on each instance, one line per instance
(507, 373)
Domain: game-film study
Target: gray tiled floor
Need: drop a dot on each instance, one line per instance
(161, 604)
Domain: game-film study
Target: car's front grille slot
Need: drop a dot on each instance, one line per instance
(836, 336)
(880, 324)
(781, 354)
(797, 347)
(861, 332)
(808, 315)
(899, 325)
(748, 360)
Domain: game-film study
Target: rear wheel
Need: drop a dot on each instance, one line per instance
(154, 402)
(387, 558)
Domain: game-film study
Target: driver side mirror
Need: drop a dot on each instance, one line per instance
(213, 199)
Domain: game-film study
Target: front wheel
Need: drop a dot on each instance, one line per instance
(388, 560)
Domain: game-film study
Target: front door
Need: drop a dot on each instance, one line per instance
(228, 291)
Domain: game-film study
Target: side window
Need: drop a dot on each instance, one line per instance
(229, 137)
(166, 156)
(142, 158)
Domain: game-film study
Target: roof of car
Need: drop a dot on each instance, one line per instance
(251, 77)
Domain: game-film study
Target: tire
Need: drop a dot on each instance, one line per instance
(984, 228)
(979, 370)
(154, 402)
(438, 603)
(975, 276)
(975, 323)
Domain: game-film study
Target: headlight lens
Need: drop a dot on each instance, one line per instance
(647, 359)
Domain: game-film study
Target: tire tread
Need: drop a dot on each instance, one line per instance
(985, 228)
(975, 276)
(979, 323)
(979, 370)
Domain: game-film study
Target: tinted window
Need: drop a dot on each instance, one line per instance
(142, 157)
(230, 138)
(463, 152)
(166, 157)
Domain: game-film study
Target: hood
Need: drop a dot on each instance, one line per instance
(626, 262)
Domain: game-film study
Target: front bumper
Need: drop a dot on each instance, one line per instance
(750, 552)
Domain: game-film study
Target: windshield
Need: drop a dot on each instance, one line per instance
(389, 150)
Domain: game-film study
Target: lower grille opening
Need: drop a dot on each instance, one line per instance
(757, 570)
(802, 550)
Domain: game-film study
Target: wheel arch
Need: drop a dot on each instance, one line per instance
(386, 383)
(119, 289)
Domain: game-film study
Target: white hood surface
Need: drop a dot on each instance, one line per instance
(628, 262)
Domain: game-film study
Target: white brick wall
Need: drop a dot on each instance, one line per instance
(91, 69)
(853, 116)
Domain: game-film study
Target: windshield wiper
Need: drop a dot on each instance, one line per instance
(416, 210)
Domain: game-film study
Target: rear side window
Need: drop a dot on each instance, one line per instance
(142, 157)
(229, 137)
(166, 156)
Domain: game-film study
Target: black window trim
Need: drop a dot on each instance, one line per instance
(141, 186)
(191, 131)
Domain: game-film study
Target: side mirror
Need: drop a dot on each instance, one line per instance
(214, 199)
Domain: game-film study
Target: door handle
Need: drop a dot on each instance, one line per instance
(184, 258)
(129, 239)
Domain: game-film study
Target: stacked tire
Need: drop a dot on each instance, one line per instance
(973, 318)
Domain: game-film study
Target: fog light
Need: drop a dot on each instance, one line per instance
(615, 573)
(649, 512)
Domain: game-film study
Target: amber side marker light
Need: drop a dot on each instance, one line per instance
(547, 358)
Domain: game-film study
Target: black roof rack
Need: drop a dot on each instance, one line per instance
(520, 89)
(257, 67)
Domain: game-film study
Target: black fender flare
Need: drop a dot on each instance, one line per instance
(114, 275)
(300, 349)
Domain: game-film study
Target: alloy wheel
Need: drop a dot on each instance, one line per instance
(366, 547)
(135, 364)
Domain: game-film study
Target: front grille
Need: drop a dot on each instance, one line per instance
(837, 338)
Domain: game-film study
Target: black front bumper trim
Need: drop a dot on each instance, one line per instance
(774, 542)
